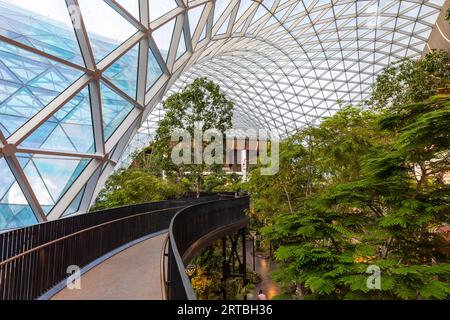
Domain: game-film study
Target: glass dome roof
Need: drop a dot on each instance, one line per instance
(81, 80)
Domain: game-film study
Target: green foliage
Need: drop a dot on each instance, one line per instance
(208, 282)
(280, 192)
(377, 195)
(222, 182)
(133, 186)
(313, 158)
(411, 80)
(200, 101)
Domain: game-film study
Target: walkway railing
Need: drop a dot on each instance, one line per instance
(35, 259)
(196, 227)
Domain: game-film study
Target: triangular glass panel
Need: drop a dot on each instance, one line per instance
(132, 6)
(194, 16)
(51, 176)
(259, 13)
(239, 28)
(14, 209)
(163, 38)
(269, 3)
(123, 73)
(243, 7)
(154, 70)
(50, 31)
(224, 27)
(35, 179)
(32, 83)
(7, 178)
(271, 21)
(203, 34)
(181, 46)
(115, 110)
(158, 8)
(69, 129)
(280, 14)
(75, 205)
(106, 28)
(219, 8)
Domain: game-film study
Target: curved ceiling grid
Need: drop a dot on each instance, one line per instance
(80, 78)
(300, 59)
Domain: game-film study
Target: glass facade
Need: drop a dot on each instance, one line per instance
(81, 81)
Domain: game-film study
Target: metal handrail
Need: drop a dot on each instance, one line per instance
(15, 241)
(47, 244)
(164, 283)
(174, 254)
(36, 258)
(205, 219)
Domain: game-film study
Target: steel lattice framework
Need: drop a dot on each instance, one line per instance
(71, 101)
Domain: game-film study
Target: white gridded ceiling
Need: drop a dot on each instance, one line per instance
(285, 64)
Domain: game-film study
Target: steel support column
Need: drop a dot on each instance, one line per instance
(231, 258)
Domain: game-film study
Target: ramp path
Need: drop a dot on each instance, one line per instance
(133, 274)
(124, 253)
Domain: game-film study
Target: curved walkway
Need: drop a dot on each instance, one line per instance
(133, 274)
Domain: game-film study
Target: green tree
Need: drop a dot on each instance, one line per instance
(341, 141)
(271, 194)
(411, 80)
(135, 186)
(312, 159)
(152, 176)
(207, 279)
(222, 182)
(201, 101)
(377, 194)
(387, 217)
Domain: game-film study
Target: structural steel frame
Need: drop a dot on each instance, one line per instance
(285, 63)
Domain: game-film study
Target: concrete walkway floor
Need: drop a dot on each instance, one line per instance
(133, 274)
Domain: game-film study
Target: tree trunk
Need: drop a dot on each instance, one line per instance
(423, 178)
(288, 197)
(310, 162)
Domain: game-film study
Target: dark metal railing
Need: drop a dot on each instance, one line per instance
(190, 225)
(20, 240)
(35, 259)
